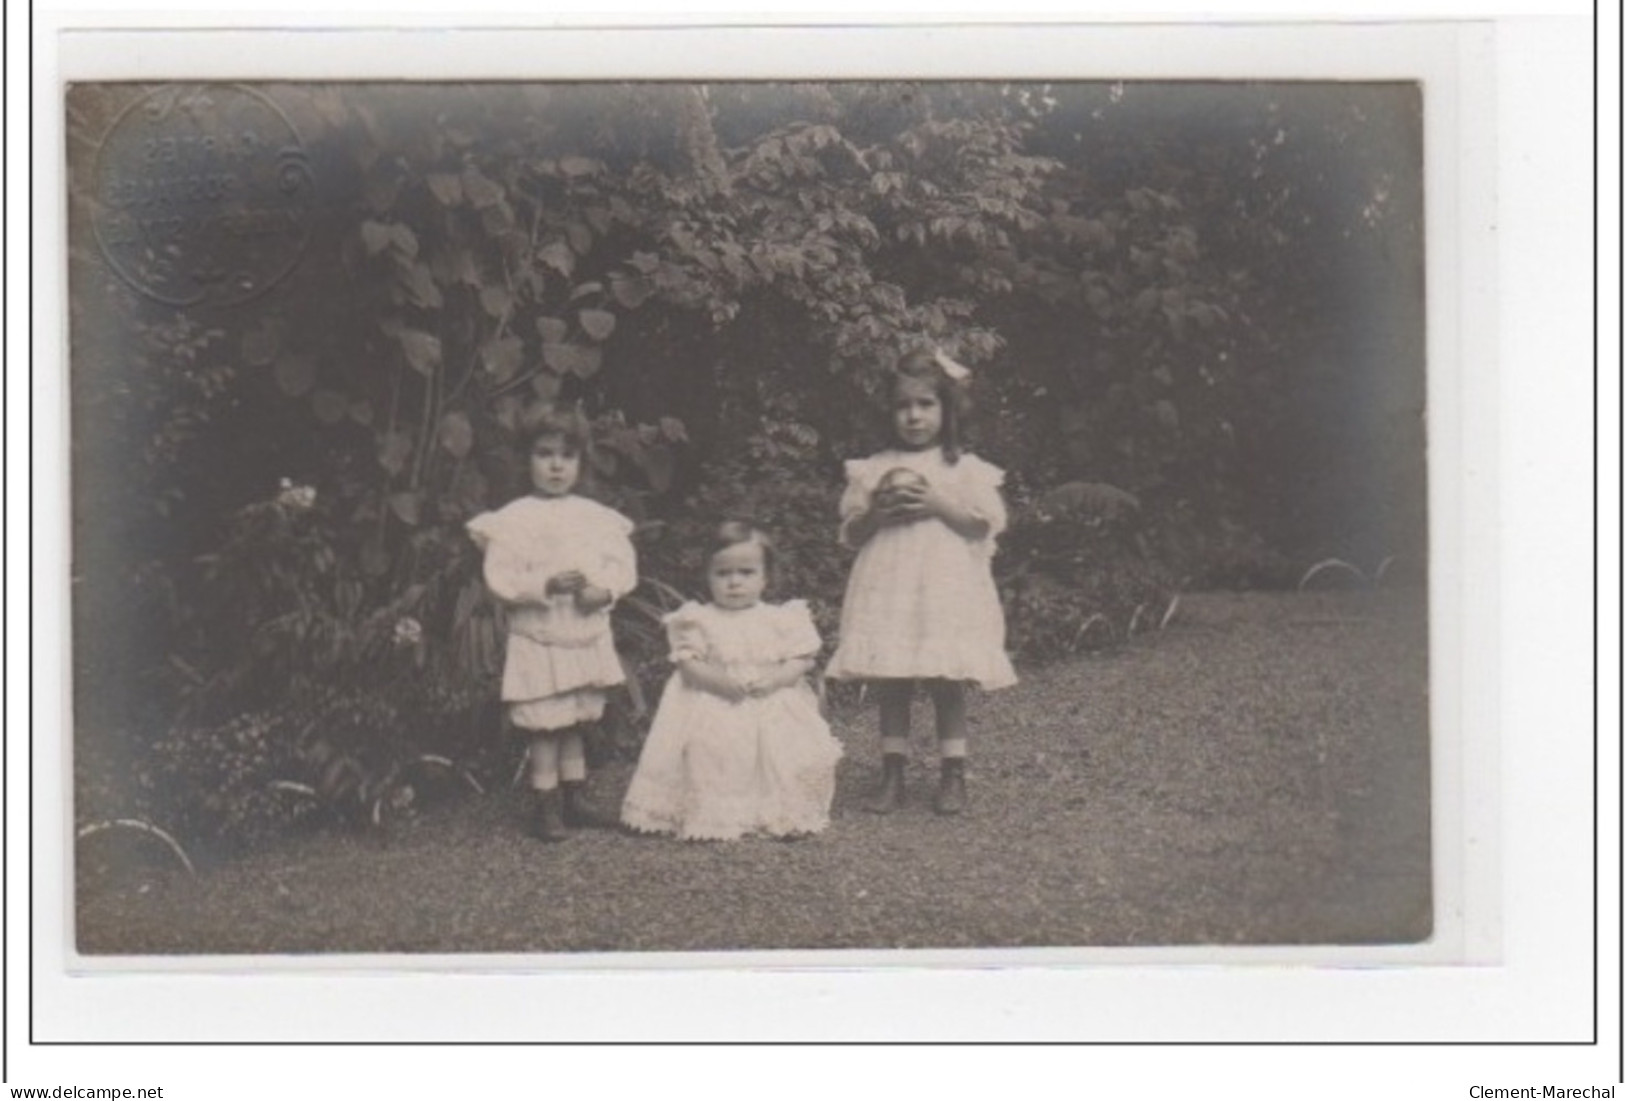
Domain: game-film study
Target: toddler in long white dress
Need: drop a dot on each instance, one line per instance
(738, 745)
(921, 606)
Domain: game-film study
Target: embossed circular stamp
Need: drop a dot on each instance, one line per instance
(203, 195)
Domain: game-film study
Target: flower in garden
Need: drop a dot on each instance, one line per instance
(408, 631)
(295, 497)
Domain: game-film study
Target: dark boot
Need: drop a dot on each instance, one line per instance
(580, 813)
(951, 788)
(890, 794)
(547, 821)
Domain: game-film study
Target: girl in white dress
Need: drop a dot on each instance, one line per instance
(559, 562)
(921, 606)
(738, 745)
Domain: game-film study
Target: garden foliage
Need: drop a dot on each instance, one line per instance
(1162, 293)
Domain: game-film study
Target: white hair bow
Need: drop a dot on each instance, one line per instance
(952, 367)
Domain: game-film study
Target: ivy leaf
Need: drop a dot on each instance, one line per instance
(376, 236)
(588, 362)
(630, 291)
(361, 412)
(546, 386)
(330, 406)
(446, 187)
(586, 290)
(597, 324)
(405, 506)
(422, 351)
(480, 189)
(558, 256)
(575, 359)
(406, 242)
(498, 218)
(420, 285)
(503, 357)
(457, 434)
(394, 449)
(558, 356)
(295, 374)
(673, 430)
(496, 300)
(553, 329)
(580, 237)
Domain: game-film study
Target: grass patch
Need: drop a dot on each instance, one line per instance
(1256, 773)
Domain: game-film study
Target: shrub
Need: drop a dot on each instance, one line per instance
(1078, 581)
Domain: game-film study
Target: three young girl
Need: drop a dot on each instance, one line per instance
(738, 745)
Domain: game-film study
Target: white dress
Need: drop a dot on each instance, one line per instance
(715, 770)
(921, 602)
(559, 661)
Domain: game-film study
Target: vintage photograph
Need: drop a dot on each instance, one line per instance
(747, 516)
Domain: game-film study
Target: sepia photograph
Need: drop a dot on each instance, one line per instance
(1050, 537)
(547, 518)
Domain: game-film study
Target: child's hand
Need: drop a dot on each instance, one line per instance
(932, 503)
(710, 678)
(569, 581)
(592, 598)
(764, 685)
(905, 504)
(729, 688)
(778, 682)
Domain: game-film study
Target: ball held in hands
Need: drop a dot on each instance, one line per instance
(900, 488)
(592, 598)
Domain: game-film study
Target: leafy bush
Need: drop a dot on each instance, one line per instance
(1079, 581)
(216, 786)
(716, 275)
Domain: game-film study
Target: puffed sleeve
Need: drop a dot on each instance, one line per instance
(794, 633)
(617, 562)
(860, 490)
(483, 529)
(685, 634)
(979, 484)
(510, 572)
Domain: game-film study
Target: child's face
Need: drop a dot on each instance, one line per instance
(555, 466)
(917, 412)
(737, 575)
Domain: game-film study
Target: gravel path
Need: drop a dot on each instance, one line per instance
(1255, 774)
